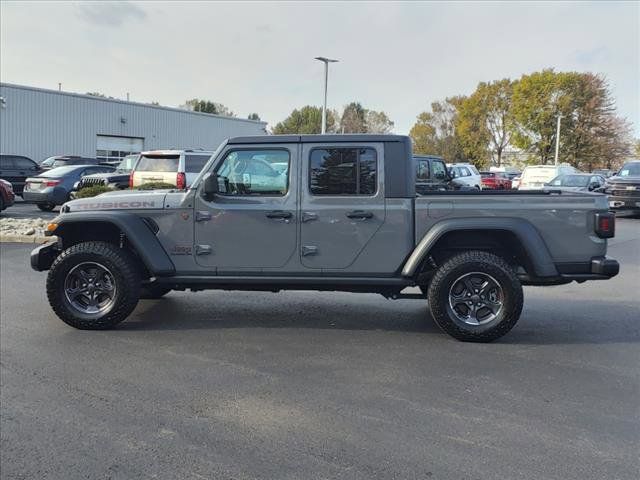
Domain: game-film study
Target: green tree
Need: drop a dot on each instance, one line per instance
(307, 120)
(207, 106)
(484, 121)
(354, 119)
(435, 133)
(253, 116)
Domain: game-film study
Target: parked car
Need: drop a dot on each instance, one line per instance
(7, 196)
(175, 167)
(495, 180)
(53, 187)
(605, 172)
(515, 182)
(66, 160)
(117, 180)
(624, 188)
(348, 219)
(534, 177)
(578, 182)
(15, 169)
(465, 174)
(432, 174)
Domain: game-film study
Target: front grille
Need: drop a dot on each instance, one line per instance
(90, 182)
(621, 191)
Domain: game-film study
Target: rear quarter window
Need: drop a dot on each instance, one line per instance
(195, 163)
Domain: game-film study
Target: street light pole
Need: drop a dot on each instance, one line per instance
(558, 138)
(326, 62)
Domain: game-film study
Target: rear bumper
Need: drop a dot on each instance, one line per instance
(43, 256)
(51, 195)
(599, 268)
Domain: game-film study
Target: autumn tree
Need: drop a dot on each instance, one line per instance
(207, 106)
(435, 131)
(378, 122)
(484, 122)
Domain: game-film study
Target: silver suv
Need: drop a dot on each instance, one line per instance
(174, 167)
(465, 174)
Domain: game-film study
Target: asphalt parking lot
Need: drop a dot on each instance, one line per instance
(307, 385)
(21, 209)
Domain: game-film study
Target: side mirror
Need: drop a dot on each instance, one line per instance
(593, 186)
(76, 185)
(210, 186)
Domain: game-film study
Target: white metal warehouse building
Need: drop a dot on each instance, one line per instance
(39, 123)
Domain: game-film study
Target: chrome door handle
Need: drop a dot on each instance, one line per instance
(308, 216)
(359, 214)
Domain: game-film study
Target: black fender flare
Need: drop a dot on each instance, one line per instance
(137, 232)
(526, 233)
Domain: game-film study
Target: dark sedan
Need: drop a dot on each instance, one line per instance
(52, 187)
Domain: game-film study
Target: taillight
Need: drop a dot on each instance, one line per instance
(605, 224)
(51, 183)
(181, 180)
(131, 180)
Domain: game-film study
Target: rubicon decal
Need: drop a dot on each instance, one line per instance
(114, 205)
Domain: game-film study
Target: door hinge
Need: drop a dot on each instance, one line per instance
(202, 216)
(309, 250)
(203, 249)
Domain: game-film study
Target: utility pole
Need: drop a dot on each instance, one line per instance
(558, 138)
(59, 87)
(326, 62)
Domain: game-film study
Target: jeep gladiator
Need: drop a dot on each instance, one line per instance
(323, 212)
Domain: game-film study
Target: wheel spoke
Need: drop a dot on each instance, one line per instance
(473, 315)
(469, 285)
(481, 295)
(90, 288)
(494, 306)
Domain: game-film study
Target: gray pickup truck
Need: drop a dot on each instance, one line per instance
(330, 212)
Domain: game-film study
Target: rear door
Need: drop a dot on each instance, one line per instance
(342, 202)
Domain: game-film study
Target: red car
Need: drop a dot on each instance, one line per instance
(6, 194)
(495, 181)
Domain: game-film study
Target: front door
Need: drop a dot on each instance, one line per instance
(343, 203)
(251, 225)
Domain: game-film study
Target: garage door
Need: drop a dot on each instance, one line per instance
(112, 149)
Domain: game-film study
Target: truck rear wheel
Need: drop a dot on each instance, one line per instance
(475, 297)
(93, 285)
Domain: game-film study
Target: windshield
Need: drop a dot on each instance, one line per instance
(127, 163)
(631, 169)
(48, 161)
(158, 163)
(571, 181)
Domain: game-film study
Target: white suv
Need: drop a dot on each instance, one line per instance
(465, 174)
(176, 167)
(534, 177)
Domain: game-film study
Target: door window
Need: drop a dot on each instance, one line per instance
(464, 172)
(254, 172)
(422, 170)
(343, 171)
(6, 162)
(24, 163)
(439, 170)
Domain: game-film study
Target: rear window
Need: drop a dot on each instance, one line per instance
(158, 163)
(487, 175)
(195, 163)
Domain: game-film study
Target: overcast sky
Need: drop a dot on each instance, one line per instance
(258, 57)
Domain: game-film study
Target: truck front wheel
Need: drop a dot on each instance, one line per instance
(93, 285)
(475, 297)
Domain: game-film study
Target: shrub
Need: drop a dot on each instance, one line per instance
(92, 191)
(155, 186)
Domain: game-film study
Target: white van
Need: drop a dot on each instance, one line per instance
(534, 177)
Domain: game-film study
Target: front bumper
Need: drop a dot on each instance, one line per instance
(617, 202)
(43, 256)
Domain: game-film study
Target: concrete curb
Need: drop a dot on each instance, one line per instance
(25, 239)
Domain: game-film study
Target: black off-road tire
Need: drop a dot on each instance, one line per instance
(153, 291)
(467, 262)
(46, 207)
(126, 277)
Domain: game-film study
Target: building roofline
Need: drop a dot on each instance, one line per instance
(125, 102)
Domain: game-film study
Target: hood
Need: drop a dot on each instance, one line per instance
(119, 200)
(632, 180)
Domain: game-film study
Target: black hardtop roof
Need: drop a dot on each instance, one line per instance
(350, 138)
